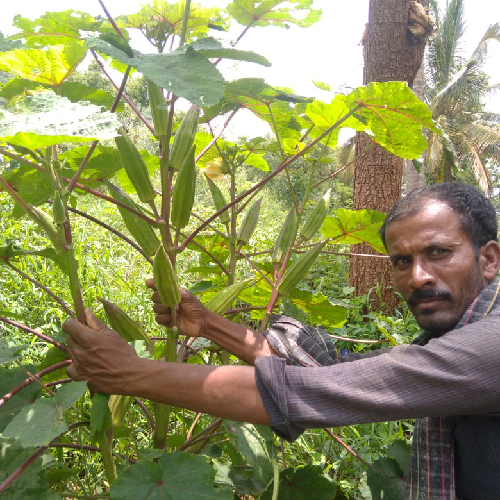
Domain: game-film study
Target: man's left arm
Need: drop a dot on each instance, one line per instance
(110, 365)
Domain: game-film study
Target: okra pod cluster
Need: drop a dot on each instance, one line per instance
(165, 279)
(135, 166)
(313, 223)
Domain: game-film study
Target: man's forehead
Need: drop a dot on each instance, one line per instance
(434, 221)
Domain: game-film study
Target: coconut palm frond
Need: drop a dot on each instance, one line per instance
(481, 135)
(481, 173)
(456, 87)
(492, 33)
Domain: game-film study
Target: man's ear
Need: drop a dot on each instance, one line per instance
(489, 260)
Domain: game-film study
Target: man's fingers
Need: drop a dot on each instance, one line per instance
(164, 319)
(161, 309)
(94, 323)
(77, 333)
(150, 283)
(156, 298)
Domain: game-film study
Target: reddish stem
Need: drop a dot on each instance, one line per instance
(28, 381)
(348, 448)
(34, 332)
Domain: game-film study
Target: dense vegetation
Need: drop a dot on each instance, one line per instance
(81, 224)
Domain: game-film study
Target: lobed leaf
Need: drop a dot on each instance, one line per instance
(319, 309)
(184, 72)
(177, 476)
(50, 66)
(41, 422)
(394, 115)
(355, 226)
(267, 13)
(46, 119)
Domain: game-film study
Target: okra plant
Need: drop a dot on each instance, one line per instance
(61, 141)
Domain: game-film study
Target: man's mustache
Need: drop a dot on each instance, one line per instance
(419, 295)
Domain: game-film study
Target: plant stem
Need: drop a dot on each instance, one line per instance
(104, 443)
(276, 479)
(187, 8)
(163, 410)
(34, 332)
(348, 448)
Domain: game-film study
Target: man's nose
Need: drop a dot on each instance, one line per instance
(421, 275)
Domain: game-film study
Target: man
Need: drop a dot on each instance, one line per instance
(442, 242)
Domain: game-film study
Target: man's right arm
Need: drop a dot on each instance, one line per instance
(195, 320)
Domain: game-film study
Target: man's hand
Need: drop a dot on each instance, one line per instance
(191, 313)
(99, 356)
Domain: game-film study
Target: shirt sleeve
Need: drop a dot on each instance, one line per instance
(456, 374)
(302, 345)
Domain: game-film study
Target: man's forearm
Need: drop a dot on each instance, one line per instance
(223, 391)
(238, 340)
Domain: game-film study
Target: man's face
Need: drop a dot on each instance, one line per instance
(435, 268)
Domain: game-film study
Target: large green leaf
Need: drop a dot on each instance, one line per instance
(319, 309)
(35, 188)
(104, 163)
(305, 483)
(210, 47)
(267, 12)
(50, 66)
(324, 115)
(9, 352)
(274, 106)
(385, 479)
(32, 485)
(53, 28)
(255, 443)
(10, 378)
(400, 450)
(158, 19)
(184, 72)
(46, 119)
(355, 226)
(394, 115)
(74, 91)
(176, 476)
(41, 422)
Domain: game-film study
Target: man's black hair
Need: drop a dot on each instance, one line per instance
(475, 211)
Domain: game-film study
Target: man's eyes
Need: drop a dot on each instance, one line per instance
(438, 252)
